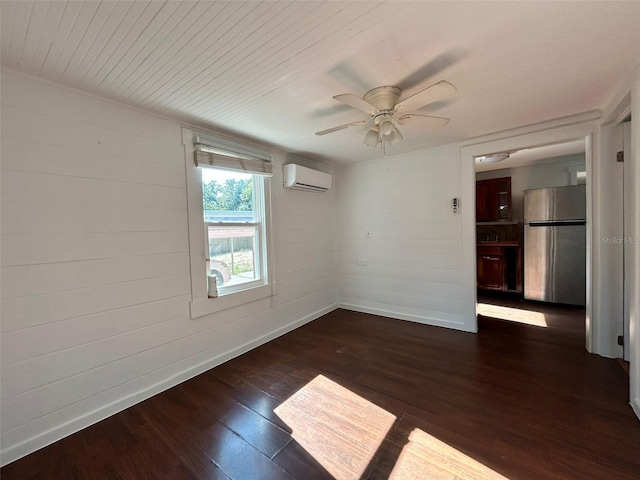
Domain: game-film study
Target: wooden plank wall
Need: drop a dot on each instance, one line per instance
(396, 215)
(95, 268)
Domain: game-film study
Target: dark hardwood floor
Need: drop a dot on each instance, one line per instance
(559, 317)
(352, 395)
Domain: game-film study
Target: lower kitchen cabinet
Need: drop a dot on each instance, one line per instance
(499, 267)
(490, 268)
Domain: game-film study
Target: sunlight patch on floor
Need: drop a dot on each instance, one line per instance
(340, 429)
(426, 457)
(512, 314)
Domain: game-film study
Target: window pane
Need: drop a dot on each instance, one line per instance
(227, 196)
(232, 251)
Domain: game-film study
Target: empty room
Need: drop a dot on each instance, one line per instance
(319, 240)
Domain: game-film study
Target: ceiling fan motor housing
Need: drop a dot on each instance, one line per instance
(383, 98)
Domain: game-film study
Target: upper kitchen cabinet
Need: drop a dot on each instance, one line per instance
(493, 200)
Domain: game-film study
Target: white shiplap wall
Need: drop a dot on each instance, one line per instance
(395, 214)
(95, 270)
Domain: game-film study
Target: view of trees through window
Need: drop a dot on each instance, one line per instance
(233, 195)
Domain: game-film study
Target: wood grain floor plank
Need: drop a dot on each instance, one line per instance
(300, 464)
(260, 402)
(256, 430)
(238, 459)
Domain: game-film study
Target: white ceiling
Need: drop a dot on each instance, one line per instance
(268, 70)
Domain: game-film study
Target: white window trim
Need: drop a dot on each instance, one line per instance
(201, 304)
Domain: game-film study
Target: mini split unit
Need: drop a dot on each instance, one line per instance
(303, 178)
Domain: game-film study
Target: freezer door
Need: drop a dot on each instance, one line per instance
(555, 264)
(556, 203)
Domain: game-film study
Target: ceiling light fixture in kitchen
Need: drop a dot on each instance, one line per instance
(493, 158)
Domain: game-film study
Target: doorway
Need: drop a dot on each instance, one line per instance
(515, 281)
(580, 128)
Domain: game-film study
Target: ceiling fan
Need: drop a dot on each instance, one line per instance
(386, 109)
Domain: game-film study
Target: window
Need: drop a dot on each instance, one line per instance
(233, 226)
(229, 195)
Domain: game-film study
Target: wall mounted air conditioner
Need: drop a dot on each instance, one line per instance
(303, 178)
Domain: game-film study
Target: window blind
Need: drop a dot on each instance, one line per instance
(255, 166)
(229, 155)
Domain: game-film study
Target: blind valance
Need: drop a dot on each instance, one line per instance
(228, 162)
(230, 154)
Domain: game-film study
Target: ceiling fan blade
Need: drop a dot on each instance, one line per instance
(357, 103)
(428, 70)
(428, 120)
(341, 127)
(370, 123)
(429, 95)
(328, 111)
(349, 74)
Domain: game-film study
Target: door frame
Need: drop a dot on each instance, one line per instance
(627, 234)
(633, 260)
(583, 127)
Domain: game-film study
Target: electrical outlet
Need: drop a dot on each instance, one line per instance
(361, 262)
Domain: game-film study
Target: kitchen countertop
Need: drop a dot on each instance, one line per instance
(500, 222)
(500, 243)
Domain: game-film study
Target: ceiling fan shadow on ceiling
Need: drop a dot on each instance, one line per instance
(387, 110)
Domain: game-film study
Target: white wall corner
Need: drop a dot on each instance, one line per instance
(619, 105)
(468, 228)
(607, 259)
(634, 275)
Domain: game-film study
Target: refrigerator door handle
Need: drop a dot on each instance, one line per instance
(555, 223)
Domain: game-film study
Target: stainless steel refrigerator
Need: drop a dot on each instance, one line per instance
(555, 249)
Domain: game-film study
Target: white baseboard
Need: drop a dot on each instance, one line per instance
(405, 316)
(14, 452)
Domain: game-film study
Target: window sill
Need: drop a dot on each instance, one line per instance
(206, 306)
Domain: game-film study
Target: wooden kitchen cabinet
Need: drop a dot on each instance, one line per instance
(482, 201)
(493, 200)
(499, 267)
(490, 268)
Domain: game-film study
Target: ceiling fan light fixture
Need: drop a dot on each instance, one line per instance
(387, 130)
(396, 138)
(389, 133)
(371, 137)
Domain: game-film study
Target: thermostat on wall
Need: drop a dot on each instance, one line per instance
(455, 205)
